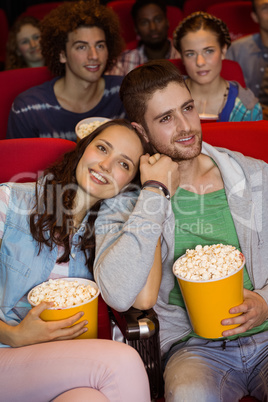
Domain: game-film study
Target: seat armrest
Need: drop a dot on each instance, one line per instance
(140, 329)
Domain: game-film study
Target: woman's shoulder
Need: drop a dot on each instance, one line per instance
(245, 95)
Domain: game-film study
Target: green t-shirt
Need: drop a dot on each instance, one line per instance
(204, 219)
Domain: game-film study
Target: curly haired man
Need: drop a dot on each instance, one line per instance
(79, 40)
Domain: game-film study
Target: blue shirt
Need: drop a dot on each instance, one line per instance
(37, 112)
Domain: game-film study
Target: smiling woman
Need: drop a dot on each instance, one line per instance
(56, 238)
(23, 45)
(202, 41)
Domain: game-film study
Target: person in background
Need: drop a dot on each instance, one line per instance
(23, 46)
(264, 94)
(203, 40)
(151, 24)
(220, 196)
(251, 51)
(55, 239)
(79, 41)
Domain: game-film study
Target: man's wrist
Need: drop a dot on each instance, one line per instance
(154, 184)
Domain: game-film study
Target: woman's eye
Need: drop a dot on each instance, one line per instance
(101, 148)
(190, 54)
(209, 51)
(36, 37)
(125, 165)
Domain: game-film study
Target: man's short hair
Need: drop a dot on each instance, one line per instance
(140, 84)
(69, 16)
(142, 3)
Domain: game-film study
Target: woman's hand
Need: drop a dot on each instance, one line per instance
(32, 329)
(160, 168)
(254, 311)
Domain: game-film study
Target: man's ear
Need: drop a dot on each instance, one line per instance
(63, 58)
(254, 17)
(140, 129)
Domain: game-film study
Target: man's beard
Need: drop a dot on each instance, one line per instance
(178, 155)
(155, 45)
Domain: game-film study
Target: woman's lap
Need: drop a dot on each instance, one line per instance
(49, 369)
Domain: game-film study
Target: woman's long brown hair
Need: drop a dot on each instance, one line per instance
(51, 218)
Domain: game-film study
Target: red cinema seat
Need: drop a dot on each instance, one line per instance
(12, 83)
(236, 15)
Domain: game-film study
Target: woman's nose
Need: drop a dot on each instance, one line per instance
(33, 43)
(106, 165)
(200, 60)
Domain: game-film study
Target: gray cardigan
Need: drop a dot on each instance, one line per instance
(129, 226)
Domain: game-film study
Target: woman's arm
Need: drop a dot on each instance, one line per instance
(32, 329)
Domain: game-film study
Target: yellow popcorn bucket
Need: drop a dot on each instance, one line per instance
(208, 302)
(89, 307)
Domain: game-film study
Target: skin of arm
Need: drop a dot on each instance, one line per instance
(254, 311)
(32, 329)
(148, 295)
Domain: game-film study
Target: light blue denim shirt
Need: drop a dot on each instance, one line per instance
(21, 268)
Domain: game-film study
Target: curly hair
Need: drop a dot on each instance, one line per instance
(51, 220)
(201, 20)
(69, 16)
(13, 60)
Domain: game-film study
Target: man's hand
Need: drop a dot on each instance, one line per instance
(254, 311)
(160, 168)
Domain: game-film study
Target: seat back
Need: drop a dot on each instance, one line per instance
(238, 136)
(236, 15)
(40, 10)
(231, 70)
(12, 83)
(123, 10)
(3, 36)
(23, 160)
(190, 6)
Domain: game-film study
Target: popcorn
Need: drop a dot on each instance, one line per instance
(85, 129)
(62, 292)
(208, 262)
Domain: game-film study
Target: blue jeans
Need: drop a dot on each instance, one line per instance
(202, 370)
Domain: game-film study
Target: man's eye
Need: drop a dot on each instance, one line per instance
(189, 108)
(100, 46)
(125, 165)
(164, 119)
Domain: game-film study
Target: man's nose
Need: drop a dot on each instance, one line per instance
(183, 124)
(92, 53)
(152, 25)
